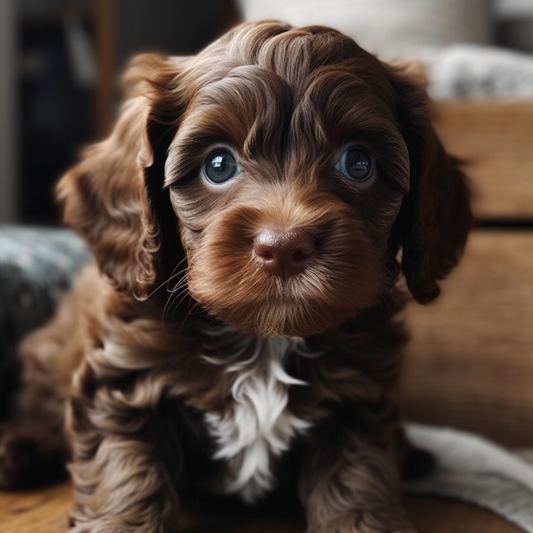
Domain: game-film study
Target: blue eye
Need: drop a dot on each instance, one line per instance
(355, 164)
(220, 167)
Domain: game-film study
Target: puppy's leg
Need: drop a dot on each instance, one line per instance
(120, 483)
(351, 483)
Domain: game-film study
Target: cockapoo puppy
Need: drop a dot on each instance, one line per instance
(251, 216)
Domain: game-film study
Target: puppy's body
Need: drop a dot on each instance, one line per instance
(239, 334)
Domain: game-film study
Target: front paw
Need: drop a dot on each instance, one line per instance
(25, 460)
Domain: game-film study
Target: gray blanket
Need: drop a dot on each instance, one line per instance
(473, 470)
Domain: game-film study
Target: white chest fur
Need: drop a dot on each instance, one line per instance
(258, 425)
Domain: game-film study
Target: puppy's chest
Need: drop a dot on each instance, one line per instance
(257, 426)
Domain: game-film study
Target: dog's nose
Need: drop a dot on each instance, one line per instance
(283, 253)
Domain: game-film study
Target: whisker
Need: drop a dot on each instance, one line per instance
(178, 293)
(177, 274)
(177, 288)
(172, 275)
(190, 312)
(170, 304)
(181, 297)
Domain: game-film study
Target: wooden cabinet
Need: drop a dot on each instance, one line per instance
(470, 362)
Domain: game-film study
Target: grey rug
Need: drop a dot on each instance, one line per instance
(473, 470)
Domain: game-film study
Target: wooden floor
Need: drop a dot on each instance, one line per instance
(45, 512)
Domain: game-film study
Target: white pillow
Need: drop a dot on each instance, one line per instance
(385, 25)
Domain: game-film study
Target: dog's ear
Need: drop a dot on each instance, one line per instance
(115, 197)
(435, 218)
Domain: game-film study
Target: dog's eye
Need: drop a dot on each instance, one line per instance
(355, 164)
(221, 167)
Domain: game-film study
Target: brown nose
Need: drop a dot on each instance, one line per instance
(283, 253)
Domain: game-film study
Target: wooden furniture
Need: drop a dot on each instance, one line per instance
(470, 363)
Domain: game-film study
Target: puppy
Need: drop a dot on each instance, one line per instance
(250, 216)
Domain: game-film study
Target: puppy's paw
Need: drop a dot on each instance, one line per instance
(25, 460)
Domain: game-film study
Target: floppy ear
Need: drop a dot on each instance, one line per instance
(435, 218)
(115, 198)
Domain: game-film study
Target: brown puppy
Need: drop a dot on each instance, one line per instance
(247, 216)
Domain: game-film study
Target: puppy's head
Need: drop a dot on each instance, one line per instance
(288, 166)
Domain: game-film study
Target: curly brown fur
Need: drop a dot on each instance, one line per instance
(199, 364)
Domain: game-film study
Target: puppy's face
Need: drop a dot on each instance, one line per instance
(286, 181)
(292, 165)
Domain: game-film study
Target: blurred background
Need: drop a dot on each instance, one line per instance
(60, 62)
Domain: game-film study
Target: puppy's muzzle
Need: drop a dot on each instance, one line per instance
(283, 253)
